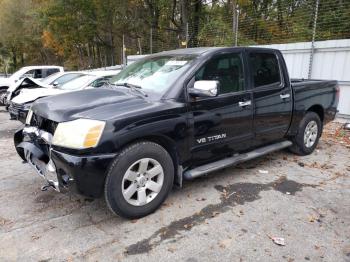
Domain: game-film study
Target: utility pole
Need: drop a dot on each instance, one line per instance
(124, 57)
(139, 44)
(187, 35)
(234, 22)
(236, 29)
(151, 41)
(313, 39)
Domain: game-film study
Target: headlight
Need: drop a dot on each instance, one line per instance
(78, 134)
(29, 117)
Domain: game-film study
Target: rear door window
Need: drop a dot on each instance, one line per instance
(51, 71)
(34, 73)
(265, 69)
(38, 73)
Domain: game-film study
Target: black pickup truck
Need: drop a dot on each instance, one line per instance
(173, 115)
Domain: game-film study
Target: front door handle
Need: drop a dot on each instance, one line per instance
(245, 103)
(284, 96)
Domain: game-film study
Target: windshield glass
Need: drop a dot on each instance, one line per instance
(65, 79)
(154, 74)
(78, 83)
(47, 80)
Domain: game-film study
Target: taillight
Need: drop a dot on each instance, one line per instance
(337, 92)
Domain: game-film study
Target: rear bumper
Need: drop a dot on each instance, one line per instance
(64, 172)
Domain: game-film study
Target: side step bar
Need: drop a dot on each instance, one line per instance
(205, 169)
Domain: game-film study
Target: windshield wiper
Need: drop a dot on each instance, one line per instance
(132, 87)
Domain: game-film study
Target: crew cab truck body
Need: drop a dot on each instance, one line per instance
(173, 115)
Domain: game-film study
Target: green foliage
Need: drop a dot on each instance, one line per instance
(89, 33)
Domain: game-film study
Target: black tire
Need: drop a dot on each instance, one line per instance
(2, 94)
(113, 184)
(299, 146)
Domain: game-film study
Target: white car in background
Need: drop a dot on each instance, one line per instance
(35, 72)
(23, 98)
(61, 78)
(53, 80)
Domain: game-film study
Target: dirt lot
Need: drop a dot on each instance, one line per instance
(231, 215)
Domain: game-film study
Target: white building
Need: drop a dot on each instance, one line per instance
(331, 60)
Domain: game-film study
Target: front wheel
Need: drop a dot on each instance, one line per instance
(309, 132)
(139, 180)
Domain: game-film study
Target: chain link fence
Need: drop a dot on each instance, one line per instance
(252, 23)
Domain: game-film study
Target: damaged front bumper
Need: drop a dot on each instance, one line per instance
(38, 159)
(47, 171)
(61, 171)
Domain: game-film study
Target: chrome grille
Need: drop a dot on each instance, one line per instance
(16, 106)
(43, 123)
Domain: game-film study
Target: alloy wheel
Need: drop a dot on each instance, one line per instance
(142, 181)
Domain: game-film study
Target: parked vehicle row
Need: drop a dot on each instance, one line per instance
(20, 96)
(35, 72)
(171, 116)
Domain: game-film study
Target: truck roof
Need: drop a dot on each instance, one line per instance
(202, 50)
(189, 51)
(41, 67)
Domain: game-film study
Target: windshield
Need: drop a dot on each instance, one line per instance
(154, 74)
(78, 83)
(47, 80)
(65, 79)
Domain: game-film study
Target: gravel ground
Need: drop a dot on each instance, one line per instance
(230, 215)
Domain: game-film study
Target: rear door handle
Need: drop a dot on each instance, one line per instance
(245, 103)
(284, 96)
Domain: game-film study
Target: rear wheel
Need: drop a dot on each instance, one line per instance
(309, 132)
(139, 180)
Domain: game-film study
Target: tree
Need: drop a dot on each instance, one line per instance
(82, 34)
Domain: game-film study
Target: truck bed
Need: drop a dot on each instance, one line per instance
(322, 95)
(296, 82)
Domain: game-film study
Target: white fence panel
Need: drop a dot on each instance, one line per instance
(331, 61)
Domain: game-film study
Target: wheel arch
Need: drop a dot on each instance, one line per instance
(318, 109)
(170, 146)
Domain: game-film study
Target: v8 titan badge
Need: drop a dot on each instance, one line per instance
(210, 138)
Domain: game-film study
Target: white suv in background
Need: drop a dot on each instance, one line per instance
(36, 72)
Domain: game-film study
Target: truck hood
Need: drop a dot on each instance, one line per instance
(100, 104)
(28, 95)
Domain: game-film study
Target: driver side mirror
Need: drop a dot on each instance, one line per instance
(205, 88)
(55, 84)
